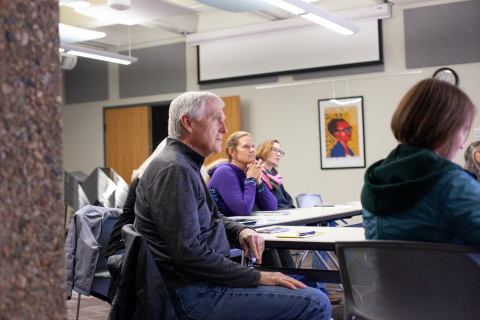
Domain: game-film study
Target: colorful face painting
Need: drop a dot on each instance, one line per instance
(342, 142)
(341, 124)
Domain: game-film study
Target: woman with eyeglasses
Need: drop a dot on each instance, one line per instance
(270, 152)
(472, 158)
(235, 183)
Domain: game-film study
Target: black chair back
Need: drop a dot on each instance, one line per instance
(409, 280)
(141, 292)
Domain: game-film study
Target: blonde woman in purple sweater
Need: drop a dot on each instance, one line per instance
(235, 183)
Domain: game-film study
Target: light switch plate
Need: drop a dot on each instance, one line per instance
(476, 133)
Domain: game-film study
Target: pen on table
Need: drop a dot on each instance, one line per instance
(305, 233)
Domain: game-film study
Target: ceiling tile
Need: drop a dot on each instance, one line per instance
(141, 11)
(69, 34)
(238, 5)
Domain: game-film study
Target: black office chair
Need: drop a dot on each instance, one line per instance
(141, 292)
(409, 280)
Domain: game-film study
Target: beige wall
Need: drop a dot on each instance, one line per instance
(288, 114)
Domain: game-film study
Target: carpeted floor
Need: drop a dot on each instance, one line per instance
(94, 309)
(334, 289)
(91, 308)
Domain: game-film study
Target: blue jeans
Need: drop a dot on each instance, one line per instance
(208, 301)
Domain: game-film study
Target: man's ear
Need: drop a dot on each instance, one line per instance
(336, 134)
(187, 123)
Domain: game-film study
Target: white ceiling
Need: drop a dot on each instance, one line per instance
(207, 19)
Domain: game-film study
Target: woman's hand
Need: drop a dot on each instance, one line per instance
(254, 170)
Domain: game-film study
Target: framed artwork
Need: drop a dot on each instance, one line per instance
(342, 136)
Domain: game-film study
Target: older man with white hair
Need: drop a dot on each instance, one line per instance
(189, 238)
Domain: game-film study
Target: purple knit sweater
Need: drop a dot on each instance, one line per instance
(234, 194)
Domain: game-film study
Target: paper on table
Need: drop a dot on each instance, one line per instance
(273, 230)
(270, 213)
(259, 221)
(296, 235)
(327, 208)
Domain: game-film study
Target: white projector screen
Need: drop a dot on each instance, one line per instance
(288, 51)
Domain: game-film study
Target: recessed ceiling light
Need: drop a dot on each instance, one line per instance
(78, 4)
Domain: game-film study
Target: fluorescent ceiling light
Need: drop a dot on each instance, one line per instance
(327, 24)
(357, 15)
(318, 15)
(61, 49)
(78, 4)
(98, 54)
(345, 102)
(98, 57)
(286, 6)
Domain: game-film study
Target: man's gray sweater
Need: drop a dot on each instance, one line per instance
(176, 214)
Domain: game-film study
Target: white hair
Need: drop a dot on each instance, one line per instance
(190, 103)
(139, 172)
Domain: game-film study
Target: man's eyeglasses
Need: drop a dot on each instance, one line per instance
(346, 130)
(278, 151)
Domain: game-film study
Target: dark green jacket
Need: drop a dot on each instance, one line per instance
(416, 195)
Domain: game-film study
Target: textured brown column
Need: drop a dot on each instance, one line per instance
(32, 276)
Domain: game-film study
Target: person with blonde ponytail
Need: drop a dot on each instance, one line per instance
(115, 245)
(236, 183)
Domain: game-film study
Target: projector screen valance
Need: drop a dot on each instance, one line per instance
(298, 50)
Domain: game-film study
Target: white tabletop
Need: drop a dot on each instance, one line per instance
(307, 215)
(325, 241)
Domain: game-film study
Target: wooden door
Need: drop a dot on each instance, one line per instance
(127, 139)
(232, 121)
